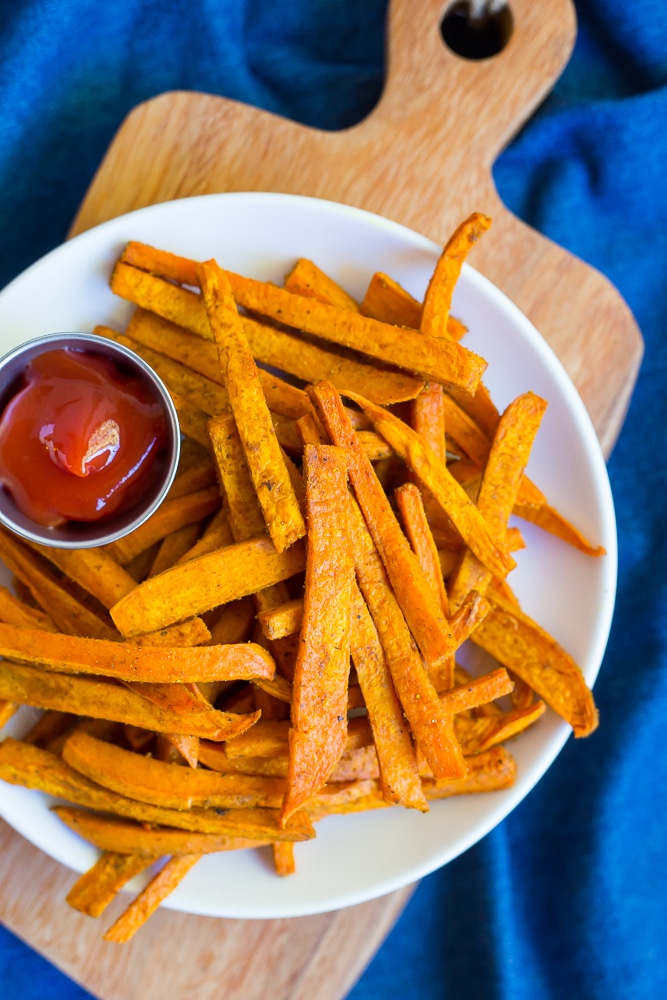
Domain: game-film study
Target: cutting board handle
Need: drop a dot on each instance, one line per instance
(475, 104)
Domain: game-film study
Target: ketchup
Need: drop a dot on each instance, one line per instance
(79, 438)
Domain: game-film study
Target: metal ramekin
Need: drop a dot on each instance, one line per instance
(81, 534)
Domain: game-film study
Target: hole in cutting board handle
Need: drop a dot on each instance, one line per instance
(477, 29)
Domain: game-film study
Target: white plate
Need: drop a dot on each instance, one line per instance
(353, 858)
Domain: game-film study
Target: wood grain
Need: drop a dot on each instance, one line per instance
(423, 157)
(180, 957)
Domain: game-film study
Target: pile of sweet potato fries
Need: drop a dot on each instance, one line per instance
(278, 641)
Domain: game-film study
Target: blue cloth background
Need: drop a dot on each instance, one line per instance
(568, 897)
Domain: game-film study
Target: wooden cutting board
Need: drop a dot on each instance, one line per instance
(423, 158)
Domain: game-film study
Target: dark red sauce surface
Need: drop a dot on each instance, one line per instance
(79, 438)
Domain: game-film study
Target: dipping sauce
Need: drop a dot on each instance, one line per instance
(79, 438)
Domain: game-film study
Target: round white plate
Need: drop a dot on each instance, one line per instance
(359, 857)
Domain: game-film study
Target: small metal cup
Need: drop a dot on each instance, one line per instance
(82, 534)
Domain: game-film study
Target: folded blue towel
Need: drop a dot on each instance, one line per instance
(568, 897)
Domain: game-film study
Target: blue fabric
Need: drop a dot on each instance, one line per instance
(568, 897)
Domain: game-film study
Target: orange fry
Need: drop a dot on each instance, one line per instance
(283, 858)
(170, 785)
(251, 413)
(517, 642)
(96, 888)
(195, 586)
(150, 898)
(102, 700)
(53, 594)
(170, 516)
(438, 298)
(430, 723)
(309, 280)
(319, 702)
(283, 620)
(476, 735)
(128, 838)
(507, 460)
(94, 569)
(441, 361)
(243, 509)
(395, 753)
(16, 612)
(130, 662)
(551, 520)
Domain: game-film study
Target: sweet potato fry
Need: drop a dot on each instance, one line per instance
(477, 691)
(7, 710)
(269, 739)
(196, 476)
(353, 765)
(182, 698)
(93, 569)
(420, 607)
(216, 535)
(517, 642)
(319, 702)
(235, 622)
(30, 767)
(102, 700)
(442, 361)
(438, 298)
(386, 301)
(395, 753)
(161, 262)
(428, 418)
(417, 528)
(309, 280)
(283, 858)
(409, 501)
(96, 888)
(490, 771)
(130, 662)
(177, 748)
(551, 520)
(16, 612)
(265, 460)
(197, 390)
(430, 724)
(503, 473)
(478, 734)
(283, 620)
(466, 432)
(191, 633)
(192, 420)
(150, 898)
(436, 477)
(313, 362)
(169, 517)
(154, 781)
(244, 511)
(195, 586)
(126, 837)
(173, 548)
(54, 595)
